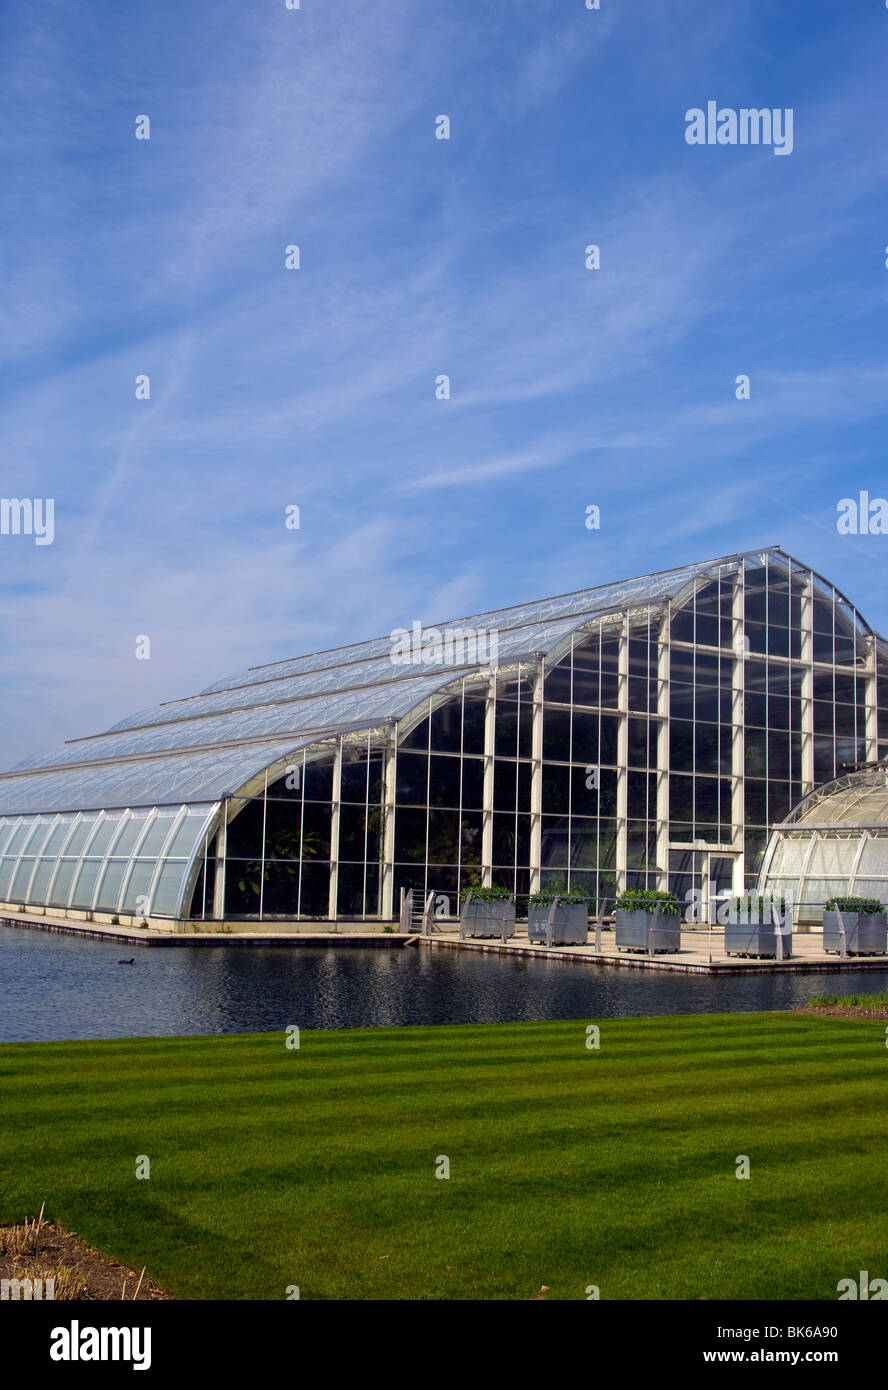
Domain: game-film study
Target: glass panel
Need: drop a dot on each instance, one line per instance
(86, 883)
(874, 859)
(102, 838)
(22, 830)
(109, 888)
(318, 780)
(167, 889)
(7, 867)
(37, 841)
(130, 834)
(556, 789)
(188, 833)
(444, 837)
(410, 835)
(82, 830)
(58, 835)
(447, 727)
(62, 885)
(139, 883)
(556, 735)
(418, 737)
(555, 842)
(18, 891)
(352, 834)
(583, 845)
(444, 782)
(41, 880)
(471, 830)
(585, 738)
(7, 829)
(472, 783)
(789, 857)
(156, 835)
(871, 888)
(832, 857)
(412, 779)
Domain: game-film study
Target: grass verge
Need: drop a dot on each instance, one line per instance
(272, 1168)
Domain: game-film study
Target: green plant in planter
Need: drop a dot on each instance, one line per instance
(648, 900)
(485, 895)
(548, 896)
(758, 902)
(115, 920)
(862, 906)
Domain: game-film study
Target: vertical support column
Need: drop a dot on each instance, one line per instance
(221, 851)
(663, 669)
(203, 905)
(487, 793)
(536, 778)
(871, 732)
(390, 772)
(262, 860)
(335, 800)
(738, 731)
(807, 657)
(623, 754)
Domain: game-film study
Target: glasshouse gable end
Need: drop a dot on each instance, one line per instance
(648, 734)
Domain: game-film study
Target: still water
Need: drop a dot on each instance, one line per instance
(57, 987)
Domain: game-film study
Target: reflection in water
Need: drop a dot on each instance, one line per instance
(55, 987)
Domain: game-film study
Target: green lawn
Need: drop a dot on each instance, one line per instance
(568, 1167)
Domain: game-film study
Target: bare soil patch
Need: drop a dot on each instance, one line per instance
(43, 1250)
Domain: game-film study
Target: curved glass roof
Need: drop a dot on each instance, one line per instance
(208, 746)
(834, 843)
(197, 776)
(529, 619)
(355, 685)
(857, 799)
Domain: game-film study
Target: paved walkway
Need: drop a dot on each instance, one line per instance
(701, 952)
(355, 934)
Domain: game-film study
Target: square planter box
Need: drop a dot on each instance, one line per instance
(749, 939)
(631, 928)
(570, 925)
(487, 919)
(866, 933)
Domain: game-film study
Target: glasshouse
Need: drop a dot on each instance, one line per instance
(833, 845)
(643, 734)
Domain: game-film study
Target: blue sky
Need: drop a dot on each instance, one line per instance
(419, 257)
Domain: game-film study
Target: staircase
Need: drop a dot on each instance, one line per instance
(417, 914)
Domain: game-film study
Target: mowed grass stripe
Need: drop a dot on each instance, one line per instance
(569, 1166)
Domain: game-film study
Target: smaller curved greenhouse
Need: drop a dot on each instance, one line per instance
(834, 843)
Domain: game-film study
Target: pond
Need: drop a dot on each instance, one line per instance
(56, 987)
